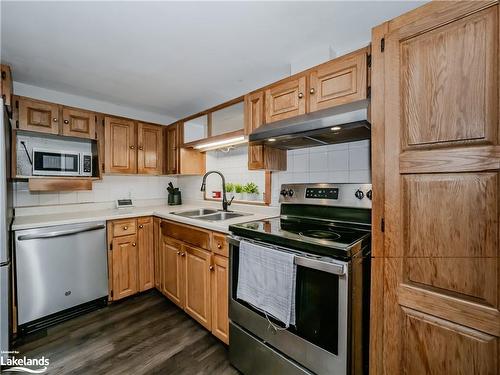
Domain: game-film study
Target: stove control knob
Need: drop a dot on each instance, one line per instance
(369, 194)
(290, 192)
(359, 194)
(284, 192)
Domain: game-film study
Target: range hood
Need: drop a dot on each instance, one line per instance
(343, 123)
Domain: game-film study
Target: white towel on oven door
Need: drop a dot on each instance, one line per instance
(266, 280)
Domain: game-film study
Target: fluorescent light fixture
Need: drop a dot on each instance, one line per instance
(222, 143)
(336, 128)
(272, 139)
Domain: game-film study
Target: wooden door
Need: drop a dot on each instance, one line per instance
(172, 270)
(120, 146)
(149, 153)
(220, 295)
(38, 116)
(146, 253)
(260, 156)
(286, 99)
(172, 149)
(78, 123)
(6, 85)
(339, 81)
(124, 258)
(442, 156)
(156, 252)
(197, 284)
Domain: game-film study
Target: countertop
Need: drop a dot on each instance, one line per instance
(162, 211)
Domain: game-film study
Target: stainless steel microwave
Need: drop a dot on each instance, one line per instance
(48, 162)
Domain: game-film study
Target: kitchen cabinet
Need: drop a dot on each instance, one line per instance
(260, 156)
(120, 146)
(180, 160)
(338, 81)
(149, 149)
(36, 115)
(436, 274)
(195, 274)
(78, 123)
(130, 256)
(286, 99)
(6, 86)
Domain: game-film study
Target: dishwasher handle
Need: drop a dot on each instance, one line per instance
(60, 233)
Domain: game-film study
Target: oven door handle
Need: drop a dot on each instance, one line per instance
(333, 268)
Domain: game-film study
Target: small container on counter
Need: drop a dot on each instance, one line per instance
(216, 194)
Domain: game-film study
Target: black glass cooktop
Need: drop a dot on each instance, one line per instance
(317, 236)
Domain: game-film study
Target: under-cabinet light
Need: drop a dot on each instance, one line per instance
(336, 128)
(221, 143)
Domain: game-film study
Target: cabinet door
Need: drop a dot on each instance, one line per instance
(149, 153)
(339, 81)
(156, 251)
(124, 258)
(120, 145)
(220, 296)
(285, 100)
(146, 246)
(172, 270)
(442, 183)
(78, 123)
(38, 116)
(172, 146)
(260, 156)
(6, 86)
(197, 284)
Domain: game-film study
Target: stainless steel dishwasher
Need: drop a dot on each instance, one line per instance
(61, 271)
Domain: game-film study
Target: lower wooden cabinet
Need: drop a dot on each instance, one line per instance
(195, 277)
(130, 257)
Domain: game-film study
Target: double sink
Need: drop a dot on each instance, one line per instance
(209, 214)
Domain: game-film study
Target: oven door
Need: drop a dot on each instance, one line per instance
(54, 163)
(318, 341)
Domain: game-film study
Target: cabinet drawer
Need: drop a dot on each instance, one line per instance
(124, 227)
(220, 245)
(187, 234)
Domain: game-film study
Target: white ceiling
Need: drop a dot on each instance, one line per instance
(176, 58)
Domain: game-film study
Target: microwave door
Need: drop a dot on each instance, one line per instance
(52, 163)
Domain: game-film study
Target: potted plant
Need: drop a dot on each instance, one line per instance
(229, 190)
(238, 189)
(252, 191)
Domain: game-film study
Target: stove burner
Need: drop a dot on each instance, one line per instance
(322, 234)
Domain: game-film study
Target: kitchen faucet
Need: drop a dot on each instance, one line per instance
(225, 203)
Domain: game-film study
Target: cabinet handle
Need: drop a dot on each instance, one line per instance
(125, 228)
(219, 246)
(301, 95)
(312, 91)
(133, 244)
(140, 148)
(178, 253)
(183, 254)
(132, 147)
(54, 119)
(66, 121)
(141, 226)
(211, 268)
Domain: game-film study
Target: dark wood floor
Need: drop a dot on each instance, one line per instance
(146, 334)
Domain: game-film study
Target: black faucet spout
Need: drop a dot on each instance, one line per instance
(225, 203)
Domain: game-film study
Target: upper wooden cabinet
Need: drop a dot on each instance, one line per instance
(286, 99)
(339, 81)
(180, 160)
(6, 85)
(120, 146)
(37, 115)
(78, 123)
(172, 142)
(149, 148)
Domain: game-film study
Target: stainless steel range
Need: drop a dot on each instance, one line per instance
(327, 228)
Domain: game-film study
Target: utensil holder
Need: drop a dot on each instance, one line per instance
(174, 199)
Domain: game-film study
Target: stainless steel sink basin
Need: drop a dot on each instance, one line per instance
(219, 216)
(195, 213)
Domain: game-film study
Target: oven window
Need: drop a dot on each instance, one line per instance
(317, 308)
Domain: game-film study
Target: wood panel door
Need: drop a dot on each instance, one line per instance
(146, 253)
(149, 148)
(172, 149)
(120, 146)
(286, 99)
(124, 258)
(197, 285)
(38, 116)
(78, 123)
(442, 157)
(339, 81)
(220, 295)
(156, 252)
(172, 270)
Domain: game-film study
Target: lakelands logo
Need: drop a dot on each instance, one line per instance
(24, 364)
